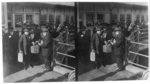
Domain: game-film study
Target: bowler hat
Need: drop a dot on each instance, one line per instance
(117, 29)
(25, 29)
(44, 29)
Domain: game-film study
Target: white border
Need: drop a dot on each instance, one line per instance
(97, 82)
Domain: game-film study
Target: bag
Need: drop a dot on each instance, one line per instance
(35, 49)
(107, 49)
(20, 57)
(92, 56)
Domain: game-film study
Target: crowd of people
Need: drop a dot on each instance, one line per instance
(107, 41)
(96, 39)
(21, 41)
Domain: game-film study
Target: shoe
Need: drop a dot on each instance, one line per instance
(49, 69)
(120, 69)
(104, 65)
(26, 67)
(31, 65)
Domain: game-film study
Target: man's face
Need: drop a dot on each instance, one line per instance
(44, 33)
(26, 33)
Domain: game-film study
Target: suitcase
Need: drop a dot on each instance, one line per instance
(107, 49)
(35, 49)
(92, 56)
(20, 57)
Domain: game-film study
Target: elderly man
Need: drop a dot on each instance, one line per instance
(46, 44)
(118, 47)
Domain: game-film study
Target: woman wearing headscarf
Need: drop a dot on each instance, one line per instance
(97, 46)
(24, 46)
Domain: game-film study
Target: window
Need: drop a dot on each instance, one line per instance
(137, 19)
(67, 19)
(51, 19)
(114, 19)
(18, 20)
(9, 20)
(100, 18)
(29, 18)
(143, 19)
(128, 19)
(90, 19)
(42, 19)
(72, 19)
(57, 20)
(122, 20)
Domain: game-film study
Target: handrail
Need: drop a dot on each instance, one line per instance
(139, 54)
(66, 44)
(66, 55)
(139, 43)
(66, 65)
(137, 64)
(135, 36)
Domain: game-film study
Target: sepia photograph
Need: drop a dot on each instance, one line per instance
(38, 41)
(112, 41)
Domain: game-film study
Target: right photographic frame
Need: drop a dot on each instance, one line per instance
(112, 41)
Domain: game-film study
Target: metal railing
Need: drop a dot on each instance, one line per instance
(61, 48)
(133, 47)
(64, 54)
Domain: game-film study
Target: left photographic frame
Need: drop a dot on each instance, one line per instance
(38, 41)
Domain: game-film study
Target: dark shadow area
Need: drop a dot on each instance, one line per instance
(10, 67)
(102, 78)
(143, 60)
(28, 79)
(85, 67)
(71, 61)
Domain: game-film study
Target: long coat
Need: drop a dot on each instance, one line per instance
(24, 44)
(97, 43)
(83, 46)
(46, 47)
(118, 47)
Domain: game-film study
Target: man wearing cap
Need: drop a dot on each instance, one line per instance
(118, 47)
(83, 45)
(46, 44)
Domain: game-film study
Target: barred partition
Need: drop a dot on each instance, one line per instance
(136, 47)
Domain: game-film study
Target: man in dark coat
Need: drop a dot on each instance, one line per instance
(14, 39)
(118, 47)
(47, 46)
(83, 45)
(5, 44)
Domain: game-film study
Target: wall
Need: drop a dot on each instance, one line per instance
(36, 11)
(95, 9)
